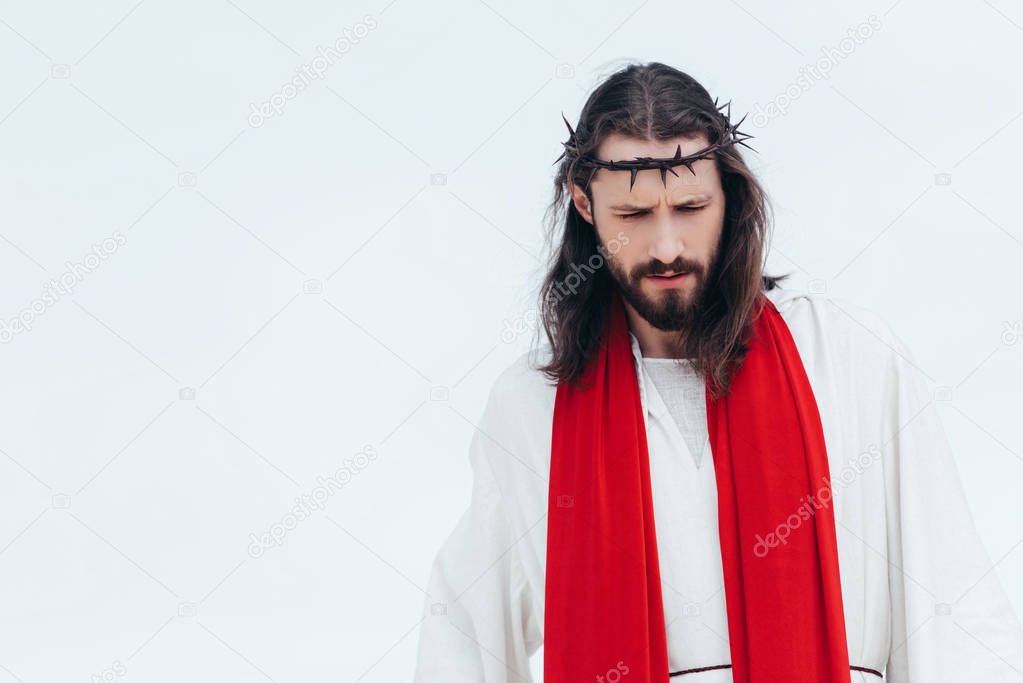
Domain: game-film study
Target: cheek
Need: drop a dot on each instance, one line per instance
(623, 251)
(613, 234)
(710, 226)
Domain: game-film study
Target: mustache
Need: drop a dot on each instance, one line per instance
(659, 267)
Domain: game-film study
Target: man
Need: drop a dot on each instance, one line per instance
(705, 476)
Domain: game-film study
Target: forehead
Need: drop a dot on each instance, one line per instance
(614, 185)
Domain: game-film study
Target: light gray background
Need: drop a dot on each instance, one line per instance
(336, 279)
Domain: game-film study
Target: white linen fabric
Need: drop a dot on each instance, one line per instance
(922, 602)
(682, 390)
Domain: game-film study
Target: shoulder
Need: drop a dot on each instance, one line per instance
(836, 326)
(857, 367)
(827, 330)
(521, 400)
(516, 428)
(522, 378)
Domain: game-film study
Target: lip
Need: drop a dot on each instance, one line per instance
(663, 282)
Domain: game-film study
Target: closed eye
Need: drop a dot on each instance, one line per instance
(683, 209)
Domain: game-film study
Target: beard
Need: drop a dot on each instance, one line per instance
(670, 310)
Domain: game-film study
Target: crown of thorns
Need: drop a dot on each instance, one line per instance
(730, 135)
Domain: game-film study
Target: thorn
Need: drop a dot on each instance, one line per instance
(571, 133)
(632, 180)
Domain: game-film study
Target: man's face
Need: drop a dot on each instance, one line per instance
(673, 232)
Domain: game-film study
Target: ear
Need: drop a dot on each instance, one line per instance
(582, 203)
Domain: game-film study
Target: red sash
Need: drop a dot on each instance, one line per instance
(604, 619)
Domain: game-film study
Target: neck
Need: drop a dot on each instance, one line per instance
(653, 343)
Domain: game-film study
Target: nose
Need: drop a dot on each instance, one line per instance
(666, 241)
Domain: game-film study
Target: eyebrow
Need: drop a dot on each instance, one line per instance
(691, 199)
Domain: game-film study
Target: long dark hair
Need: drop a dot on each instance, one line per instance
(654, 102)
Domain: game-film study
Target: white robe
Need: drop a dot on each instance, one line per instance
(922, 603)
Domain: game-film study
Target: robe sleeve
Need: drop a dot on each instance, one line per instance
(951, 619)
(478, 624)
